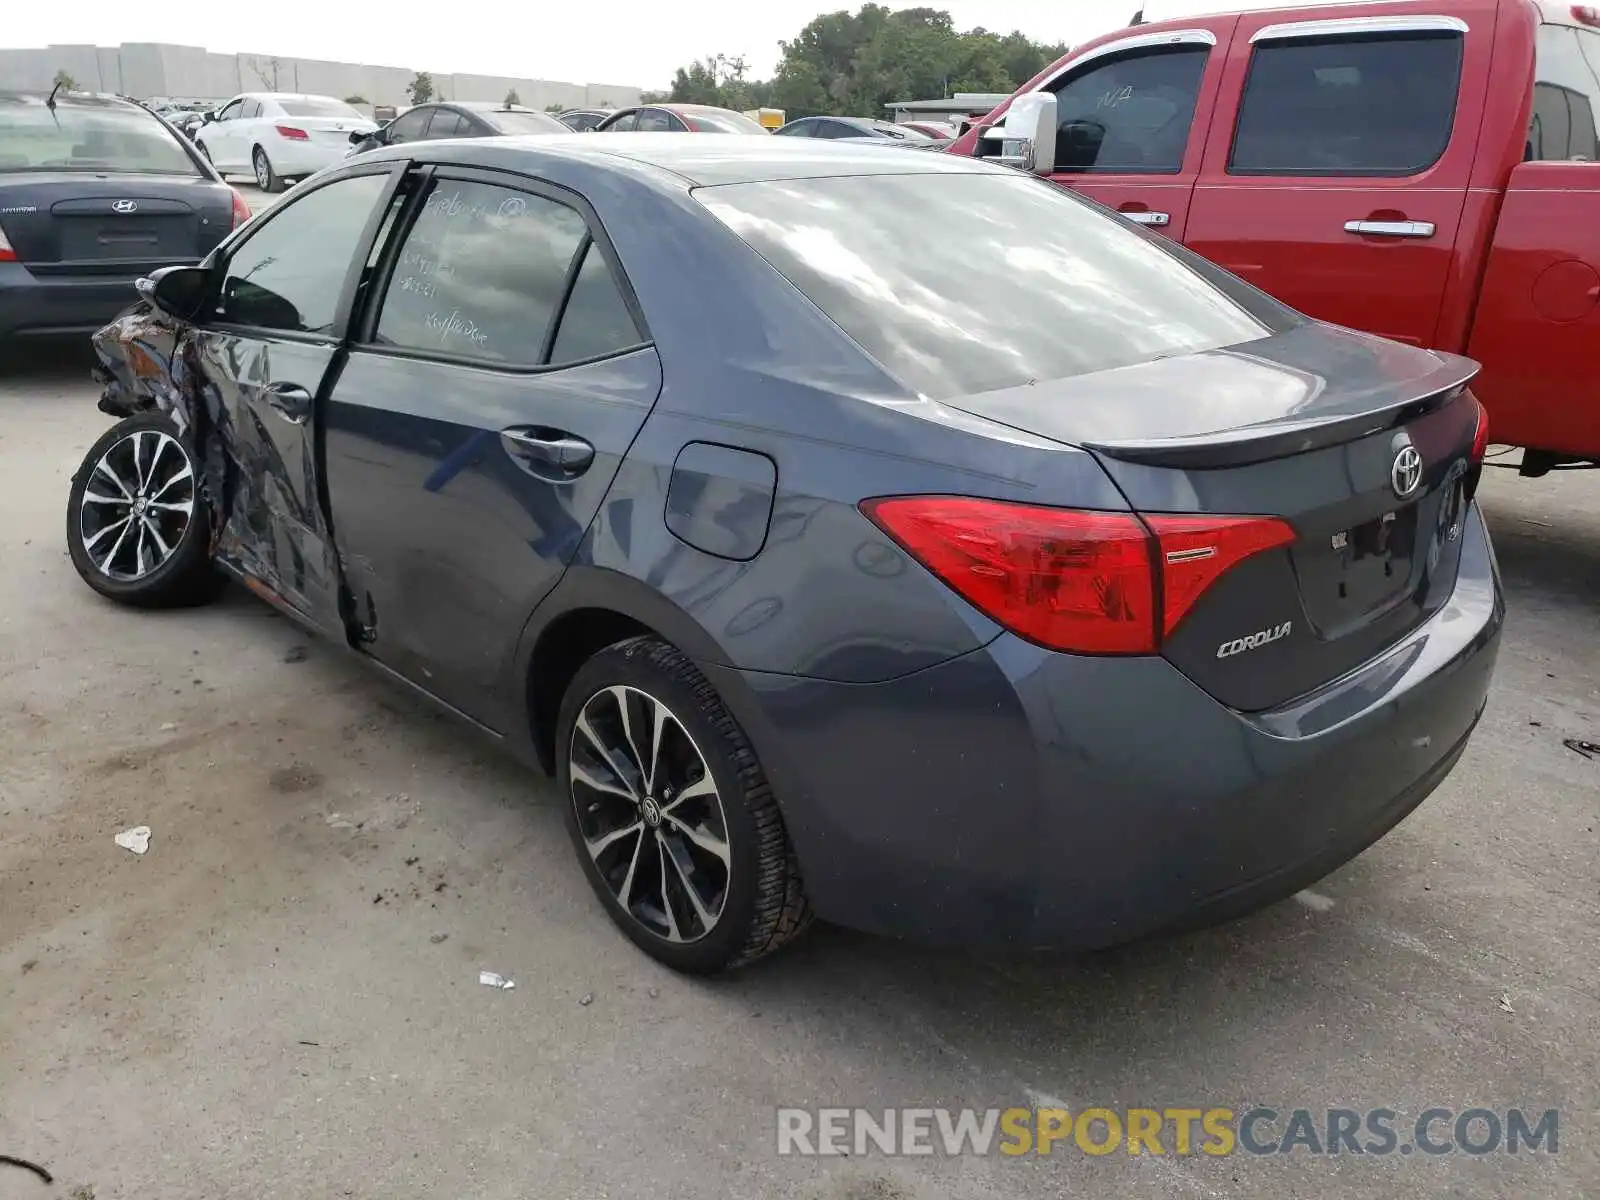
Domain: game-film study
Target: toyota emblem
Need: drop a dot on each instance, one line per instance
(1405, 476)
(124, 206)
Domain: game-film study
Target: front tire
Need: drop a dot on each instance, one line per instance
(267, 179)
(137, 523)
(673, 820)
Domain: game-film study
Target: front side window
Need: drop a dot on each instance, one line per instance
(623, 124)
(1374, 105)
(289, 273)
(1131, 114)
(1566, 96)
(1030, 282)
(87, 136)
(481, 274)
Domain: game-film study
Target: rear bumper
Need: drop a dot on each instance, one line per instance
(303, 158)
(33, 305)
(1015, 797)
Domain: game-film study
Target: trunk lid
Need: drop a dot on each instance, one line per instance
(326, 131)
(74, 223)
(1363, 446)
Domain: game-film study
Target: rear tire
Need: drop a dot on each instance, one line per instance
(693, 862)
(138, 526)
(267, 179)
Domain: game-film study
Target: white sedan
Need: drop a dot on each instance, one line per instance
(277, 137)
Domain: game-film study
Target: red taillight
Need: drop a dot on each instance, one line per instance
(293, 133)
(7, 254)
(1085, 582)
(1480, 436)
(1196, 551)
(241, 210)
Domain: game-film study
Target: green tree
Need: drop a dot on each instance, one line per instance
(420, 89)
(356, 99)
(856, 63)
(555, 108)
(512, 99)
(65, 81)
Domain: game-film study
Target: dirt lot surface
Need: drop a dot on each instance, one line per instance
(281, 997)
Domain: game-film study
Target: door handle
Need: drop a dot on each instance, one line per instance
(550, 454)
(1398, 229)
(1157, 219)
(290, 401)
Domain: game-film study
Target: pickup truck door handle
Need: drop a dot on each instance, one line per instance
(1399, 229)
(550, 454)
(290, 401)
(1145, 217)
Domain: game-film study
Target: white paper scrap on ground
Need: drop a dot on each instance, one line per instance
(136, 839)
(490, 979)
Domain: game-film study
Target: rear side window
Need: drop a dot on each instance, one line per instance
(596, 321)
(446, 123)
(1566, 96)
(1131, 114)
(1029, 282)
(481, 274)
(1375, 105)
(653, 120)
(249, 109)
(87, 136)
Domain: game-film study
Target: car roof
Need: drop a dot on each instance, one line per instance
(699, 161)
(73, 99)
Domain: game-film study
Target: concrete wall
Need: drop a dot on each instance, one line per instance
(151, 69)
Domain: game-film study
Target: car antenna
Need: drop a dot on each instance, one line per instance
(1138, 19)
(50, 102)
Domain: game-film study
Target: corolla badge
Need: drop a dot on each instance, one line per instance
(124, 206)
(1405, 474)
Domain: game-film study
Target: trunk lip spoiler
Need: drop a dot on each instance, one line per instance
(1282, 437)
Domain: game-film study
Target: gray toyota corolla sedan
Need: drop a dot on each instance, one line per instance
(1026, 583)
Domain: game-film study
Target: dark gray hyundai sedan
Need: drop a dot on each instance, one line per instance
(1032, 583)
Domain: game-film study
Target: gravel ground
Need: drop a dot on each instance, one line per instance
(281, 997)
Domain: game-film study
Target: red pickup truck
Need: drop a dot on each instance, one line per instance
(1422, 169)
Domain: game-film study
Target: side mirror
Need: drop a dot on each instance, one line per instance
(357, 136)
(1028, 138)
(207, 117)
(179, 292)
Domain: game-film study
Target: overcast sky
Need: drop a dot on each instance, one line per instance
(636, 42)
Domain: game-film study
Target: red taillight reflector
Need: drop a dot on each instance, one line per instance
(1084, 582)
(241, 210)
(293, 133)
(1196, 551)
(7, 254)
(1078, 581)
(1480, 436)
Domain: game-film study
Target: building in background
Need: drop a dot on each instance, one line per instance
(158, 70)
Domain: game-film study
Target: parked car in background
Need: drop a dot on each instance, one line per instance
(679, 118)
(96, 191)
(854, 129)
(939, 131)
(186, 122)
(1116, 596)
(1426, 172)
(455, 118)
(277, 137)
(583, 120)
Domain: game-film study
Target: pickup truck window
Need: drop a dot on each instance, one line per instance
(1566, 96)
(1130, 114)
(1358, 105)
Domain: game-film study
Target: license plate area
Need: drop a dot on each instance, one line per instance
(1349, 575)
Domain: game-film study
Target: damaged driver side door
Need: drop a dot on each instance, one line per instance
(268, 352)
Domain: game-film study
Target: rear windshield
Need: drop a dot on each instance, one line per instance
(959, 284)
(526, 122)
(315, 106)
(81, 136)
(721, 122)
